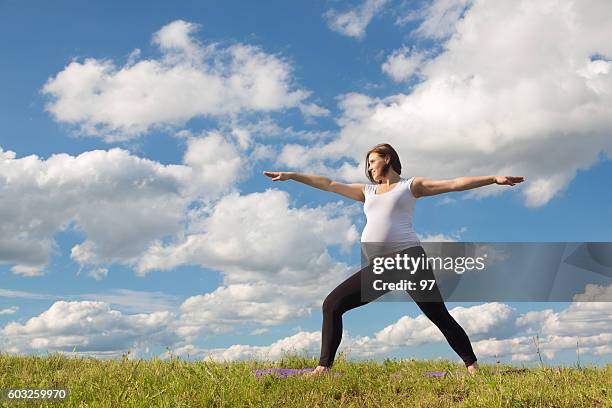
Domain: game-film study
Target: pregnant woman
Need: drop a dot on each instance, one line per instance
(388, 204)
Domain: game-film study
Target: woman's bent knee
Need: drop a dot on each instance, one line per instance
(330, 306)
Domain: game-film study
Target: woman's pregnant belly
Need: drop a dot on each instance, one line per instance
(385, 231)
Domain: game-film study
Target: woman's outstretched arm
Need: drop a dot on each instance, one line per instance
(352, 191)
(319, 182)
(426, 187)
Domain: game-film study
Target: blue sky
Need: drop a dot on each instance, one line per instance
(131, 229)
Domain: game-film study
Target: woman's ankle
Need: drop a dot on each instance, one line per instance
(319, 370)
(473, 368)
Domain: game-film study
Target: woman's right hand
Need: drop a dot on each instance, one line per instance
(278, 175)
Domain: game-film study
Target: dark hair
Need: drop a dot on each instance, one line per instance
(384, 149)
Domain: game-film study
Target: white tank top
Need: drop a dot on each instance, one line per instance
(389, 217)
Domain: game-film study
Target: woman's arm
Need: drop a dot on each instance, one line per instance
(319, 182)
(468, 183)
(426, 187)
(353, 191)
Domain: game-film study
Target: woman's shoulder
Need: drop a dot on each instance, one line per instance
(406, 180)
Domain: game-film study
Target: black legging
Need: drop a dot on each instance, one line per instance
(347, 296)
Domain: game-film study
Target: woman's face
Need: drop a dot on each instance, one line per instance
(375, 164)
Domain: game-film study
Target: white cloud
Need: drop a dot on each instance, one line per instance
(310, 159)
(496, 330)
(98, 273)
(10, 310)
(266, 128)
(236, 305)
(312, 109)
(587, 324)
(141, 214)
(88, 326)
(121, 203)
(101, 192)
(594, 292)
(438, 18)
(214, 162)
(525, 348)
(476, 321)
(580, 318)
(302, 343)
(263, 302)
(353, 23)
(522, 347)
(190, 80)
(273, 259)
(403, 63)
(543, 92)
(177, 37)
(256, 235)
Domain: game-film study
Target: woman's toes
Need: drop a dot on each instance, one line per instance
(318, 371)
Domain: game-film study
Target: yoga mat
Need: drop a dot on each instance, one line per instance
(284, 372)
(445, 373)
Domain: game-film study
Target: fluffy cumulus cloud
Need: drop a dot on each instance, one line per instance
(301, 343)
(512, 80)
(586, 318)
(117, 102)
(477, 321)
(403, 63)
(496, 331)
(248, 235)
(586, 325)
(91, 327)
(148, 216)
(273, 258)
(353, 23)
(120, 203)
(593, 293)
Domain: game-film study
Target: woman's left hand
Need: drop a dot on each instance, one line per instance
(508, 180)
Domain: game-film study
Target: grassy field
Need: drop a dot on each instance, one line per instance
(179, 383)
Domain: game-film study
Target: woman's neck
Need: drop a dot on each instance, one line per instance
(391, 180)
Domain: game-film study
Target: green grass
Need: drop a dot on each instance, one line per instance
(180, 383)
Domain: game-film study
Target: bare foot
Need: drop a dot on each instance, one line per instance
(473, 369)
(318, 371)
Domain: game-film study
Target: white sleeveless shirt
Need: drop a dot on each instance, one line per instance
(389, 217)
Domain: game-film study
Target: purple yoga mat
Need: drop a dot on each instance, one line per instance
(445, 373)
(284, 372)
